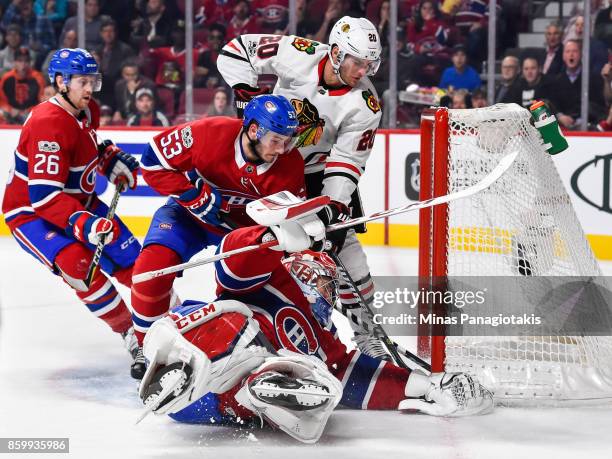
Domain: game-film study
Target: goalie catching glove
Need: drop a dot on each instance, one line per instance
(117, 165)
(203, 202)
(446, 394)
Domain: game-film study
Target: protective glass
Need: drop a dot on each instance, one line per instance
(93, 81)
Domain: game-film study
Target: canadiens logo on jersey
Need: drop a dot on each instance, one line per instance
(87, 181)
(305, 45)
(371, 101)
(311, 125)
(294, 332)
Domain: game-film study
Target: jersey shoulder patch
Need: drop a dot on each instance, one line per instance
(305, 45)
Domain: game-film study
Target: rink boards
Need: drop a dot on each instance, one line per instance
(391, 180)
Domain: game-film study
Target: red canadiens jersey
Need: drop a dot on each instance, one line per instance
(210, 148)
(259, 280)
(55, 165)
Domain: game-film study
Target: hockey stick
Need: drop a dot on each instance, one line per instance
(379, 332)
(192, 264)
(487, 181)
(100, 247)
(350, 315)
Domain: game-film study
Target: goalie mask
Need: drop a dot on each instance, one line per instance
(317, 277)
(358, 39)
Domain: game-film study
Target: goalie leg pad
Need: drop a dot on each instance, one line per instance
(294, 392)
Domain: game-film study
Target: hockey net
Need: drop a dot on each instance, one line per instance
(524, 225)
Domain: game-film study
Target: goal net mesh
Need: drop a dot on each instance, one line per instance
(523, 225)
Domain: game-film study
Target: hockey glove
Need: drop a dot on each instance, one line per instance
(243, 93)
(334, 212)
(446, 394)
(114, 163)
(301, 234)
(203, 202)
(89, 228)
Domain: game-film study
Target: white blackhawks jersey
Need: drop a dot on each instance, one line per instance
(337, 126)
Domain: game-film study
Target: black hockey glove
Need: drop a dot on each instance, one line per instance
(334, 212)
(243, 93)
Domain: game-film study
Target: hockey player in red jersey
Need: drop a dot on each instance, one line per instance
(338, 110)
(220, 361)
(49, 203)
(210, 167)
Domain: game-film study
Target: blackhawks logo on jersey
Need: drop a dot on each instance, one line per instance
(305, 45)
(311, 126)
(371, 101)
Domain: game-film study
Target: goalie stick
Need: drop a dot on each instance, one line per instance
(486, 182)
(376, 330)
(350, 315)
(95, 261)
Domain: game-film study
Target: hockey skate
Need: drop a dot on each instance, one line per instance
(137, 369)
(293, 393)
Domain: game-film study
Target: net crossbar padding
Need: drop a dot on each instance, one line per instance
(523, 225)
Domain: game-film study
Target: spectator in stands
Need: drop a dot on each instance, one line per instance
(20, 89)
(531, 85)
(169, 61)
(603, 26)
(125, 89)
(567, 89)
(509, 77)
(146, 115)
(471, 19)
(606, 75)
(106, 115)
(14, 41)
(460, 98)
(427, 36)
(220, 105)
(36, 31)
(209, 12)
(553, 60)
(307, 25)
(207, 73)
(460, 75)
(112, 54)
(48, 93)
(598, 52)
(123, 12)
(70, 41)
(93, 23)
(381, 20)
(479, 99)
(55, 10)
(154, 29)
(335, 10)
(273, 15)
(243, 22)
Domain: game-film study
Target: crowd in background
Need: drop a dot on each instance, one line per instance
(140, 47)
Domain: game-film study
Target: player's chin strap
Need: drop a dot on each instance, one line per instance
(336, 67)
(64, 94)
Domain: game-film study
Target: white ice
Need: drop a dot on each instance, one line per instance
(64, 374)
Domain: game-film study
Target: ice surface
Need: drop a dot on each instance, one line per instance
(65, 374)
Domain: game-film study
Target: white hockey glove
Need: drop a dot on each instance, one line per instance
(312, 385)
(446, 394)
(300, 234)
